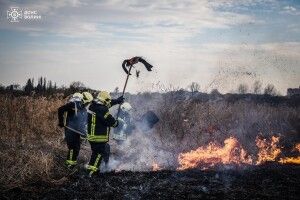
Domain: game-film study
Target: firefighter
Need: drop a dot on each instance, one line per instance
(99, 123)
(73, 117)
(126, 128)
(125, 115)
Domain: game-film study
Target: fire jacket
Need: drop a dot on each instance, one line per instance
(99, 123)
(73, 116)
(128, 125)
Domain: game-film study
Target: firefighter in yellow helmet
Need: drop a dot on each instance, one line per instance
(73, 117)
(99, 123)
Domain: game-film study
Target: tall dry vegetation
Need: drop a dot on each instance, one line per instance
(30, 141)
(189, 124)
(32, 149)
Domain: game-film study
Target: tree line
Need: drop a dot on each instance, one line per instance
(243, 88)
(47, 87)
(43, 87)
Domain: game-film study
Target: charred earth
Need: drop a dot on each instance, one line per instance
(268, 181)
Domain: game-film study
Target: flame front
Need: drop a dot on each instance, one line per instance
(233, 153)
(209, 156)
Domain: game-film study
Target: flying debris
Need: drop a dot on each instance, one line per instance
(137, 73)
(130, 62)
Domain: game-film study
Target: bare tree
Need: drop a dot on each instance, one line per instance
(257, 87)
(270, 90)
(243, 88)
(194, 87)
(77, 85)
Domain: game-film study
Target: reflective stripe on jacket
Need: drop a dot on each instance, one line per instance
(99, 123)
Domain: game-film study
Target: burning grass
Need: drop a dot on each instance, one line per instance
(214, 154)
(32, 149)
(232, 153)
(249, 130)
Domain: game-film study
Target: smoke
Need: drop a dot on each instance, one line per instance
(186, 125)
(139, 152)
(143, 147)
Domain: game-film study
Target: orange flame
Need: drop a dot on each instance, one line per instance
(209, 156)
(292, 160)
(268, 151)
(233, 153)
(155, 167)
(297, 147)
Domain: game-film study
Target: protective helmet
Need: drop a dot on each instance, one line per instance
(87, 97)
(77, 95)
(126, 107)
(104, 97)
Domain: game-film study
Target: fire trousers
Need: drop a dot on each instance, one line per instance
(99, 151)
(73, 143)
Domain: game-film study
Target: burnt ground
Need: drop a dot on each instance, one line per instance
(270, 181)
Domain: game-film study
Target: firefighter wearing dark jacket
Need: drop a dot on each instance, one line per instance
(73, 116)
(99, 123)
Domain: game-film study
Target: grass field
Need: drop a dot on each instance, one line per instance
(33, 150)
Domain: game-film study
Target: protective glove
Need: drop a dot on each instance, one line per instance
(120, 100)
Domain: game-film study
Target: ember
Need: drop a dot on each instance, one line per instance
(155, 167)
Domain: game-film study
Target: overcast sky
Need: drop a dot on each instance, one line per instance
(218, 44)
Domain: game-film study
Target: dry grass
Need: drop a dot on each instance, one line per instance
(30, 140)
(31, 147)
(188, 125)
